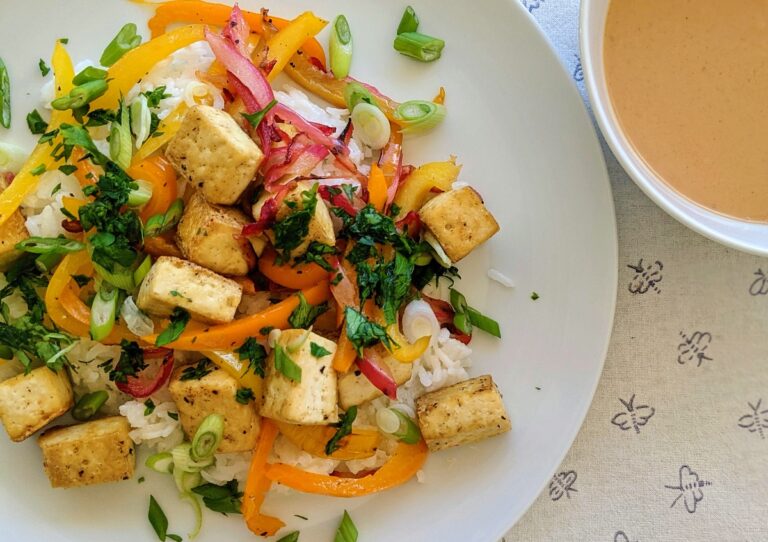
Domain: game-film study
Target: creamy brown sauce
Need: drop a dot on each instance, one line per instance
(688, 80)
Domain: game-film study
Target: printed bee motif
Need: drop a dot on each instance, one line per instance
(578, 71)
(531, 5)
(562, 484)
(621, 536)
(756, 421)
(760, 285)
(689, 487)
(635, 416)
(693, 347)
(647, 277)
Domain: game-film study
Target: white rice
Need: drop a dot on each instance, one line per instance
(43, 206)
(157, 429)
(233, 466)
(501, 278)
(87, 376)
(285, 451)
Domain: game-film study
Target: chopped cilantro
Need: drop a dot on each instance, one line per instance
(131, 362)
(149, 405)
(140, 480)
(363, 332)
(387, 282)
(176, 293)
(254, 119)
(36, 123)
(55, 189)
(252, 351)
(244, 396)
(67, 169)
(173, 415)
(225, 499)
(155, 96)
(196, 372)
(159, 521)
(305, 314)
(534, 296)
(291, 231)
(317, 350)
(266, 330)
(100, 117)
(285, 365)
(316, 253)
(44, 69)
(344, 428)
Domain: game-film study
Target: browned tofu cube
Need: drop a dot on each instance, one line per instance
(356, 389)
(89, 453)
(12, 231)
(209, 235)
(465, 412)
(214, 154)
(29, 402)
(214, 393)
(459, 221)
(173, 282)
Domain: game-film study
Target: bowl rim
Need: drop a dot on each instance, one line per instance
(672, 202)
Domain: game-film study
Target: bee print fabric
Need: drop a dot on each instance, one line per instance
(675, 446)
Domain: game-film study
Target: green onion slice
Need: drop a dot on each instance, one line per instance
(161, 462)
(419, 46)
(481, 321)
(89, 404)
(355, 93)
(91, 73)
(396, 423)
(409, 22)
(340, 47)
(285, 365)
(207, 437)
(371, 125)
(419, 115)
(103, 311)
(81, 95)
(120, 140)
(5, 96)
(126, 39)
(142, 270)
(182, 459)
(46, 262)
(159, 224)
(49, 245)
(347, 532)
(141, 195)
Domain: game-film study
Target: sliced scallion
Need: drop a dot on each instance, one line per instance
(340, 47)
(142, 270)
(161, 462)
(141, 195)
(347, 532)
(409, 22)
(418, 116)
(182, 459)
(371, 125)
(46, 262)
(120, 141)
(49, 245)
(355, 93)
(481, 321)
(91, 73)
(141, 120)
(207, 437)
(394, 422)
(159, 224)
(125, 40)
(81, 95)
(89, 404)
(5, 96)
(419, 46)
(103, 311)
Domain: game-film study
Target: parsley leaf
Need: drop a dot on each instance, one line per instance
(344, 428)
(534, 296)
(316, 253)
(77, 136)
(225, 499)
(305, 314)
(291, 231)
(155, 96)
(36, 123)
(254, 119)
(369, 227)
(159, 521)
(363, 332)
(244, 396)
(149, 405)
(131, 362)
(317, 350)
(100, 117)
(44, 69)
(285, 365)
(179, 320)
(67, 169)
(252, 351)
(196, 372)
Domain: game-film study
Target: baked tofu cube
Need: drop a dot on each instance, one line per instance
(465, 412)
(214, 154)
(459, 221)
(12, 231)
(209, 235)
(28, 402)
(320, 225)
(356, 389)
(312, 401)
(89, 453)
(214, 393)
(173, 282)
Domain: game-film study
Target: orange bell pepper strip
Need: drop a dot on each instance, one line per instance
(257, 485)
(160, 174)
(440, 98)
(401, 467)
(377, 188)
(359, 444)
(198, 336)
(283, 46)
(86, 173)
(135, 64)
(194, 11)
(345, 354)
(295, 277)
(24, 182)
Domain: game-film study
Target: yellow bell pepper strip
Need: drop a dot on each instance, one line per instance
(406, 352)
(295, 277)
(197, 336)
(135, 64)
(159, 172)
(345, 354)
(415, 188)
(257, 485)
(195, 11)
(361, 443)
(401, 467)
(230, 362)
(377, 188)
(167, 128)
(72, 205)
(24, 182)
(283, 45)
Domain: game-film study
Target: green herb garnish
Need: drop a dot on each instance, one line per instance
(363, 332)
(305, 314)
(254, 119)
(225, 499)
(318, 351)
(36, 123)
(255, 354)
(196, 372)
(285, 365)
(244, 396)
(44, 69)
(344, 428)
(159, 521)
(347, 532)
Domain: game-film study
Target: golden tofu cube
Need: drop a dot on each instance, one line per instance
(459, 221)
(320, 225)
(465, 412)
(311, 401)
(209, 235)
(12, 231)
(214, 154)
(356, 389)
(173, 282)
(89, 453)
(214, 393)
(28, 402)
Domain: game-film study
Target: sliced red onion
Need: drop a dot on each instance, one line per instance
(237, 30)
(374, 369)
(267, 217)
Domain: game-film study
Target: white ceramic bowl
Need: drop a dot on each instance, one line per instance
(747, 236)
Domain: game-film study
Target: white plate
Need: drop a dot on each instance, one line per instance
(518, 125)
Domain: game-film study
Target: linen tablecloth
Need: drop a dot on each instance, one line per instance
(675, 445)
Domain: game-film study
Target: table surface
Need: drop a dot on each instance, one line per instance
(675, 445)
